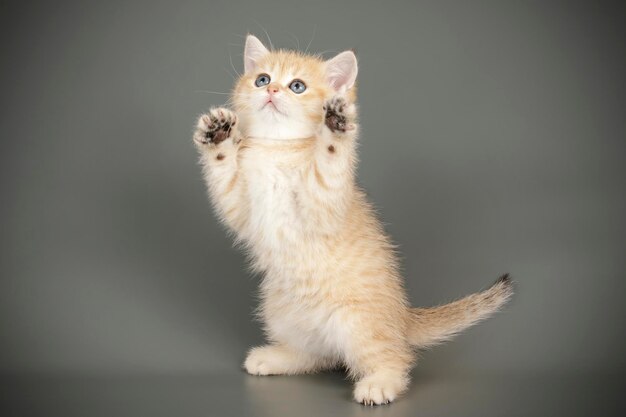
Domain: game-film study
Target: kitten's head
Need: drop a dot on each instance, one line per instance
(282, 93)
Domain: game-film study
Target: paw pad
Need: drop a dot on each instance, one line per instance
(215, 127)
(336, 118)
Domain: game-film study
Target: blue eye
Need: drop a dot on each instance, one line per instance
(297, 86)
(262, 80)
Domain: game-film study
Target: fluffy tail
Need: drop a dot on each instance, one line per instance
(431, 326)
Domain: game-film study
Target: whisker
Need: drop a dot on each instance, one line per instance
(312, 37)
(230, 58)
(210, 92)
(221, 92)
(229, 73)
(295, 38)
(266, 34)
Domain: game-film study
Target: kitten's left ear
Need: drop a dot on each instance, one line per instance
(341, 70)
(253, 51)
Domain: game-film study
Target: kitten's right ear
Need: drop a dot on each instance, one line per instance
(253, 51)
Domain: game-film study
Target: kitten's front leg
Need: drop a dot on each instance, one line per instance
(331, 172)
(283, 360)
(336, 145)
(217, 139)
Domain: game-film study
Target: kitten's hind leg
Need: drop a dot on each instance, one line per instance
(381, 387)
(283, 360)
(381, 360)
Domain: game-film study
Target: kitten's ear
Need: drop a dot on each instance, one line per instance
(341, 70)
(253, 51)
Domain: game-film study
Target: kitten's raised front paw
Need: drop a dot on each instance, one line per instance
(339, 114)
(379, 389)
(215, 127)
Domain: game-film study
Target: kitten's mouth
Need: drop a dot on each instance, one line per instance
(269, 104)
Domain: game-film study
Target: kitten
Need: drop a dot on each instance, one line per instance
(280, 170)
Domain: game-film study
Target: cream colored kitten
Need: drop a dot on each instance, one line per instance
(280, 170)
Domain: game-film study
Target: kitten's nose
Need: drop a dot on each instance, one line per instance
(272, 88)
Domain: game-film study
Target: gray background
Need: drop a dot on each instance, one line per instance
(493, 141)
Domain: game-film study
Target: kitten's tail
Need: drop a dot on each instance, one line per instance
(431, 326)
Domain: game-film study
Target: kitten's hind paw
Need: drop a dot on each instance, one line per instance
(339, 114)
(378, 389)
(215, 127)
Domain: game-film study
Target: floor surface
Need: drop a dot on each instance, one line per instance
(238, 394)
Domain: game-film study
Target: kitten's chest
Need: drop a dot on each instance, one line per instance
(273, 193)
(274, 188)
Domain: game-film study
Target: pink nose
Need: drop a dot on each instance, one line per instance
(272, 89)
